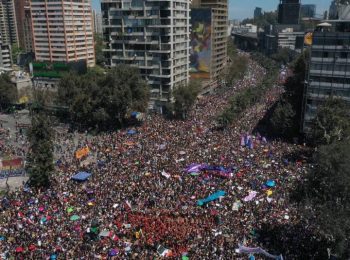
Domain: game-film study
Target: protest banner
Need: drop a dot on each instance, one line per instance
(82, 152)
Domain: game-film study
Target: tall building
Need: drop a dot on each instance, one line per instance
(24, 25)
(152, 36)
(5, 55)
(308, 11)
(329, 69)
(209, 20)
(62, 31)
(289, 12)
(97, 22)
(333, 10)
(257, 12)
(8, 27)
(288, 39)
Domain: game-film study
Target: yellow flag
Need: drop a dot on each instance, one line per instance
(23, 100)
(308, 38)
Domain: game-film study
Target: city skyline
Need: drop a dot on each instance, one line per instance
(245, 9)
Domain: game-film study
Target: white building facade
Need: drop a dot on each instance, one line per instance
(5, 55)
(153, 36)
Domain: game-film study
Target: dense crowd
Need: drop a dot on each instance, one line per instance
(140, 198)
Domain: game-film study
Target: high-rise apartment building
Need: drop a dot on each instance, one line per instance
(8, 22)
(97, 22)
(5, 55)
(308, 11)
(333, 10)
(62, 31)
(257, 12)
(289, 12)
(329, 69)
(209, 20)
(152, 36)
(24, 25)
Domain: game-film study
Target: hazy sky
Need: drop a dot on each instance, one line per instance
(240, 9)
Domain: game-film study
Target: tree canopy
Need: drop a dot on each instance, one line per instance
(249, 96)
(103, 100)
(234, 70)
(283, 56)
(185, 97)
(99, 45)
(328, 195)
(236, 66)
(40, 157)
(332, 122)
(8, 91)
(288, 111)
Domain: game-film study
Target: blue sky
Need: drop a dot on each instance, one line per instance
(240, 9)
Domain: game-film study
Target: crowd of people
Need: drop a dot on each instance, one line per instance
(140, 201)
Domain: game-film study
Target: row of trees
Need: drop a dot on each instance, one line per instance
(40, 157)
(184, 98)
(249, 96)
(8, 92)
(103, 99)
(326, 191)
(286, 117)
(235, 68)
(324, 196)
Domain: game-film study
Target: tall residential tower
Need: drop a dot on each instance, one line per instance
(289, 12)
(24, 25)
(329, 68)
(62, 31)
(152, 36)
(8, 22)
(5, 55)
(97, 22)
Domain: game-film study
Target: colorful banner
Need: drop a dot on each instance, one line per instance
(11, 173)
(11, 164)
(82, 152)
(257, 250)
(212, 197)
(251, 196)
(200, 54)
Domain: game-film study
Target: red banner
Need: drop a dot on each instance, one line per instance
(12, 164)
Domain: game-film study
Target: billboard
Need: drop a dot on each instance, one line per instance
(56, 69)
(200, 53)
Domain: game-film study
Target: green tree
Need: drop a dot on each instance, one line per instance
(99, 45)
(103, 99)
(293, 96)
(332, 122)
(68, 88)
(15, 51)
(282, 119)
(185, 97)
(328, 195)
(283, 56)
(8, 92)
(234, 70)
(249, 96)
(124, 90)
(231, 49)
(40, 157)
